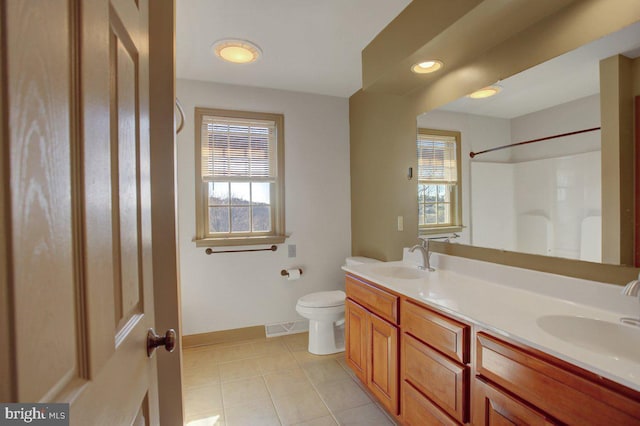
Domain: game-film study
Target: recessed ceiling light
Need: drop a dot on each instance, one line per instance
(485, 92)
(237, 51)
(427, 66)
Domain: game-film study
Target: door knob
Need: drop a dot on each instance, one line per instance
(154, 340)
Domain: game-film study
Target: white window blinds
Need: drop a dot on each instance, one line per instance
(437, 158)
(238, 148)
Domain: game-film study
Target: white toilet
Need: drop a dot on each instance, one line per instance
(325, 312)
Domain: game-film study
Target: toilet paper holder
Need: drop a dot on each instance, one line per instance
(285, 273)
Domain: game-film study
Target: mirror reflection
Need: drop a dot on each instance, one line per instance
(526, 175)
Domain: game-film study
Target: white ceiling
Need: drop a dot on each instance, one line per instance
(309, 46)
(565, 78)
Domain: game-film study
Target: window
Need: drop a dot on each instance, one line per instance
(239, 178)
(438, 181)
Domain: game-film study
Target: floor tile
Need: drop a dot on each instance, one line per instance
(242, 391)
(325, 371)
(289, 382)
(252, 413)
(270, 347)
(205, 375)
(234, 353)
(365, 415)
(274, 363)
(299, 407)
(342, 394)
(303, 357)
(323, 421)
(345, 366)
(202, 398)
(297, 342)
(273, 381)
(241, 369)
(204, 420)
(200, 361)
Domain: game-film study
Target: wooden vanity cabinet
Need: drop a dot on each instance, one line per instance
(515, 384)
(434, 367)
(420, 364)
(371, 339)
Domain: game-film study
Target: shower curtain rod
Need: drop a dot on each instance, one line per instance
(577, 132)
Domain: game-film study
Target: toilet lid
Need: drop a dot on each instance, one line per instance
(323, 299)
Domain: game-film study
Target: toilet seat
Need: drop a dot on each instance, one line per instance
(323, 299)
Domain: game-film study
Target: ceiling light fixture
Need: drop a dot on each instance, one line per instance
(427, 67)
(237, 51)
(485, 92)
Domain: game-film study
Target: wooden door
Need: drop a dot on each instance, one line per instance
(76, 283)
(382, 358)
(356, 338)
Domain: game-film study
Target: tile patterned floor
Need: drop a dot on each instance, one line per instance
(273, 382)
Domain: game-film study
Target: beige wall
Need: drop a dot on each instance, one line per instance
(383, 126)
(395, 43)
(383, 151)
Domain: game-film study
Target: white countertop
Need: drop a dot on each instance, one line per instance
(512, 311)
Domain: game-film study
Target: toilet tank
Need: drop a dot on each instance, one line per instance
(359, 260)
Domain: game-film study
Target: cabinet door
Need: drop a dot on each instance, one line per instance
(382, 357)
(356, 338)
(492, 407)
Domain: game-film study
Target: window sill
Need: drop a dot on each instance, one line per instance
(442, 230)
(240, 241)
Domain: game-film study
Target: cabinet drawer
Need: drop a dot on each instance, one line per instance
(450, 337)
(442, 380)
(562, 392)
(492, 407)
(380, 302)
(417, 410)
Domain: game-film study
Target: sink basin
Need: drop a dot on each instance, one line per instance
(606, 338)
(402, 272)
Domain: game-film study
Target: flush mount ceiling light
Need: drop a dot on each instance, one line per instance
(427, 66)
(237, 51)
(485, 92)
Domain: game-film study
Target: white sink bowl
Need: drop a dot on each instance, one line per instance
(607, 338)
(401, 272)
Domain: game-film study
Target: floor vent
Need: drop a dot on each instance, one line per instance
(282, 328)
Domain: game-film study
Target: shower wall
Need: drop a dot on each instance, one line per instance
(546, 199)
(549, 207)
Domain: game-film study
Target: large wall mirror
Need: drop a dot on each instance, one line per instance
(534, 182)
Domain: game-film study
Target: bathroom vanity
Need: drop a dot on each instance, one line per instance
(449, 348)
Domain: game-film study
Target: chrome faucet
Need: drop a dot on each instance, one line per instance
(632, 288)
(424, 249)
